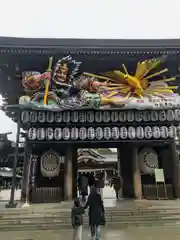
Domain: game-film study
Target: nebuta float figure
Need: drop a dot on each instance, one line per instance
(66, 88)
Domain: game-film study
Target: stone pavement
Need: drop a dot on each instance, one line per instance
(151, 233)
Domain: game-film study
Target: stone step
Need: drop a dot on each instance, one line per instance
(115, 225)
(110, 211)
(67, 220)
(66, 207)
(67, 215)
(52, 218)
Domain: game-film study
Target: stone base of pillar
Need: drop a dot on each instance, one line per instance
(11, 205)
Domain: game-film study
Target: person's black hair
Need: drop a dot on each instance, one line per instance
(77, 202)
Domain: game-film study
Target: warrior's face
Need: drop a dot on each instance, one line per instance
(61, 74)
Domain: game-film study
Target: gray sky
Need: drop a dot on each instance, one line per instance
(91, 19)
(87, 19)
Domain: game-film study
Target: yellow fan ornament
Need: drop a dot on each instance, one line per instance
(139, 85)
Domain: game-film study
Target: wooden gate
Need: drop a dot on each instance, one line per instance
(150, 191)
(46, 195)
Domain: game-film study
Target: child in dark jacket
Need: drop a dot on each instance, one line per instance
(77, 212)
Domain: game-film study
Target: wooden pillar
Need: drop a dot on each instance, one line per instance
(11, 203)
(175, 169)
(26, 174)
(105, 176)
(68, 173)
(118, 162)
(136, 174)
(75, 173)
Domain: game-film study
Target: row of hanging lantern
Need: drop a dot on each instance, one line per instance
(107, 133)
(100, 116)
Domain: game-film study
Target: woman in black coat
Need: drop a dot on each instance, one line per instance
(96, 212)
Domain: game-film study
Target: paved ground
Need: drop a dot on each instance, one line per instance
(160, 233)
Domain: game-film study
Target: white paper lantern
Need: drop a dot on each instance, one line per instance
(107, 133)
(131, 133)
(41, 134)
(148, 132)
(82, 133)
(98, 117)
(41, 117)
(115, 133)
(74, 133)
(161, 105)
(170, 115)
(57, 134)
(106, 116)
(156, 132)
(114, 116)
(49, 133)
(66, 133)
(90, 133)
(122, 116)
(138, 116)
(33, 117)
(123, 133)
(164, 132)
(99, 133)
(177, 114)
(172, 132)
(154, 116)
(146, 116)
(25, 117)
(170, 104)
(66, 117)
(90, 116)
(58, 117)
(32, 134)
(130, 116)
(74, 117)
(162, 116)
(140, 132)
(82, 117)
(50, 117)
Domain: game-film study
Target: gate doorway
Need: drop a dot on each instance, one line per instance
(98, 165)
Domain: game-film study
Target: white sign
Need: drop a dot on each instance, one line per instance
(159, 175)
